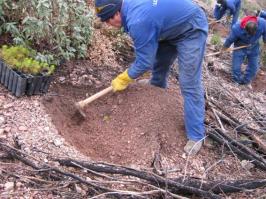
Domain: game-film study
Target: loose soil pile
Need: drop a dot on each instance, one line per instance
(133, 126)
(124, 128)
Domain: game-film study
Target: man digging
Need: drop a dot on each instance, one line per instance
(247, 32)
(163, 30)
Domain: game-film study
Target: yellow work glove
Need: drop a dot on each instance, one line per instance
(121, 81)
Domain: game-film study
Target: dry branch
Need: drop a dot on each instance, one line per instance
(224, 186)
(156, 180)
(215, 187)
(158, 184)
(150, 177)
(15, 153)
(240, 128)
(237, 147)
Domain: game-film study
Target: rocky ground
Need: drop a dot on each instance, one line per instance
(129, 128)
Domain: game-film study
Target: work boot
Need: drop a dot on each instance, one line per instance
(144, 81)
(192, 147)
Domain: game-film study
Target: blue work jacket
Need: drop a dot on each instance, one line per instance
(150, 21)
(231, 6)
(262, 14)
(239, 36)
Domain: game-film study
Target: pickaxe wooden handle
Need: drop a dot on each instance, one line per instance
(214, 22)
(90, 99)
(227, 50)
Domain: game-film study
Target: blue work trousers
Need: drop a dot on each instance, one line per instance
(252, 56)
(189, 52)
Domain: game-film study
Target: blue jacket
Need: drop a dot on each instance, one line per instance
(232, 6)
(150, 21)
(240, 37)
(262, 14)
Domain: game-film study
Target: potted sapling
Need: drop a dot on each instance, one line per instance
(21, 74)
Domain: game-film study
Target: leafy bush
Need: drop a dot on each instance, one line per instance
(216, 40)
(58, 29)
(21, 59)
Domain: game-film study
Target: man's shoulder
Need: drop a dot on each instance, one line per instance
(233, 2)
(261, 20)
(261, 23)
(237, 26)
(236, 29)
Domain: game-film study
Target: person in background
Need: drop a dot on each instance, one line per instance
(163, 31)
(246, 32)
(261, 13)
(228, 7)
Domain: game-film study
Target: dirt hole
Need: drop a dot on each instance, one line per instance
(127, 128)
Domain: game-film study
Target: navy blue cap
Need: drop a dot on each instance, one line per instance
(105, 9)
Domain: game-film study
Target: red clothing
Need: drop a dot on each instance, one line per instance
(247, 19)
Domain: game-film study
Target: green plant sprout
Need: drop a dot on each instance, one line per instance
(21, 59)
(216, 40)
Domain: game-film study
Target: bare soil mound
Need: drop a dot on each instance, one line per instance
(128, 127)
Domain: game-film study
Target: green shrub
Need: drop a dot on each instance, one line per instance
(216, 40)
(22, 59)
(57, 29)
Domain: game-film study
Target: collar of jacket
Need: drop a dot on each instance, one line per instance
(123, 12)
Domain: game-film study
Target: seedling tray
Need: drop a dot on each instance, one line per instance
(20, 84)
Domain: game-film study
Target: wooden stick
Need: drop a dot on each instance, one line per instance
(214, 22)
(227, 50)
(90, 99)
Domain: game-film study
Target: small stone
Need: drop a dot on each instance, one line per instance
(46, 128)
(62, 79)
(22, 128)
(80, 190)
(18, 184)
(184, 156)
(3, 134)
(27, 149)
(2, 120)
(58, 142)
(8, 186)
(7, 106)
(247, 164)
(8, 114)
(97, 82)
(120, 101)
(7, 129)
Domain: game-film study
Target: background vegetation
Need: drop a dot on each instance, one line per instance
(57, 29)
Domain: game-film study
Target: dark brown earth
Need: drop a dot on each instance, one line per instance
(132, 126)
(124, 128)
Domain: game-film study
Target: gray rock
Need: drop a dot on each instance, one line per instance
(247, 164)
(9, 186)
(2, 120)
